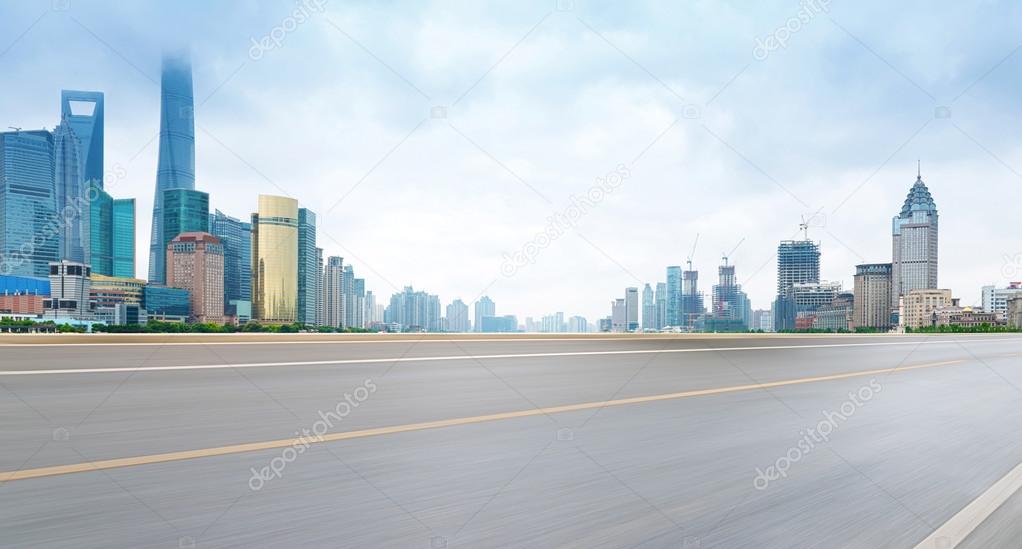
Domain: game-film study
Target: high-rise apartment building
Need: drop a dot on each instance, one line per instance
(872, 291)
(28, 216)
(333, 294)
(618, 316)
(457, 317)
(414, 311)
(235, 236)
(660, 300)
(176, 164)
(275, 260)
(308, 276)
(319, 285)
(914, 237)
(483, 307)
(578, 325)
(195, 262)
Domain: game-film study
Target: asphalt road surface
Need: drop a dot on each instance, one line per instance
(693, 442)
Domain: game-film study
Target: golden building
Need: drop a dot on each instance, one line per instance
(275, 260)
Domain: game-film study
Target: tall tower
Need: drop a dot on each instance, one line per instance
(275, 260)
(176, 166)
(914, 236)
(83, 112)
(798, 262)
(70, 195)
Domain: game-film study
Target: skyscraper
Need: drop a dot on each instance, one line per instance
(648, 309)
(691, 300)
(872, 301)
(914, 236)
(184, 211)
(111, 230)
(457, 316)
(308, 276)
(484, 307)
(333, 295)
(29, 240)
(275, 260)
(70, 202)
(660, 299)
(195, 262)
(798, 262)
(123, 237)
(674, 295)
(319, 286)
(631, 309)
(731, 308)
(236, 237)
(83, 112)
(176, 164)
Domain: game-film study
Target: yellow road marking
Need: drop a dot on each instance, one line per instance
(284, 443)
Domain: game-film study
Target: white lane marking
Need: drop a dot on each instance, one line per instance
(459, 357)
(954, 531)
(406, 339)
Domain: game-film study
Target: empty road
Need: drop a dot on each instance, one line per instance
(468, 442)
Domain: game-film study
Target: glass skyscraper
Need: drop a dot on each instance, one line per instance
(123, 238)
(176, 164)
(308, 273)
(101, 229)
(674, 296)
(184, 211)
(236, 237)
(83, 112)
(69, 188)
(28, 230)
(275, 260)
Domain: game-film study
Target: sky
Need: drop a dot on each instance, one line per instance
(550, 154)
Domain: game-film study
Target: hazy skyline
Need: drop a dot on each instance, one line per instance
(721, 133)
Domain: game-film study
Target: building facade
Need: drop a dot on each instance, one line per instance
(917, 306)
(176, 163)
(333, 292)
(308, 274)
(674, 292)
(29, 237)
(166, 303)
(872, 290)
(275, 260)
(195, 262)
(235, 236)
(914, 239)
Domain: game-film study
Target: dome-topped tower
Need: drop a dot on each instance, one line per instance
(914, 232)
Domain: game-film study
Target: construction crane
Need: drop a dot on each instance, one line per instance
(692, 253)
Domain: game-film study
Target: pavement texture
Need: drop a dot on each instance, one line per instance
(691, 442)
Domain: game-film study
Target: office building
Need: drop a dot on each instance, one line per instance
(110, 291)
(648, 309)
(873, 287)
(275, 260)
(308, 275)
(995, 300)
(499, 324)
(457, 317)
(618, 316)
(674, 293)
(111, 231)
(195, 262)
(660, 300)
(176, 162)
(235, 236)
(29, 240)
(917, 306)
(23, 294)
(166, 304)
(914, 235)
(82, 112)
(333, 294)
(319, 286)
(70, 198)
(631, 309)
(69, 291)
(483, 307)
(798, 262)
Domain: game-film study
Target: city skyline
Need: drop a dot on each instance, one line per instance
(956, 142)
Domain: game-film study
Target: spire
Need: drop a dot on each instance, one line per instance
(919, 169)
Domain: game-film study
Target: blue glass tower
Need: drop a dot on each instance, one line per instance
(29, 236)
(308, 272)
(69, 187)
(123, 245)
(236, 236)
(176, 165)
(83, 111)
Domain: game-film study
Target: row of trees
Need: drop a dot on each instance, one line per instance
(159, 327)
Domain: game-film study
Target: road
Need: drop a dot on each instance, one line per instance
(693, 442)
